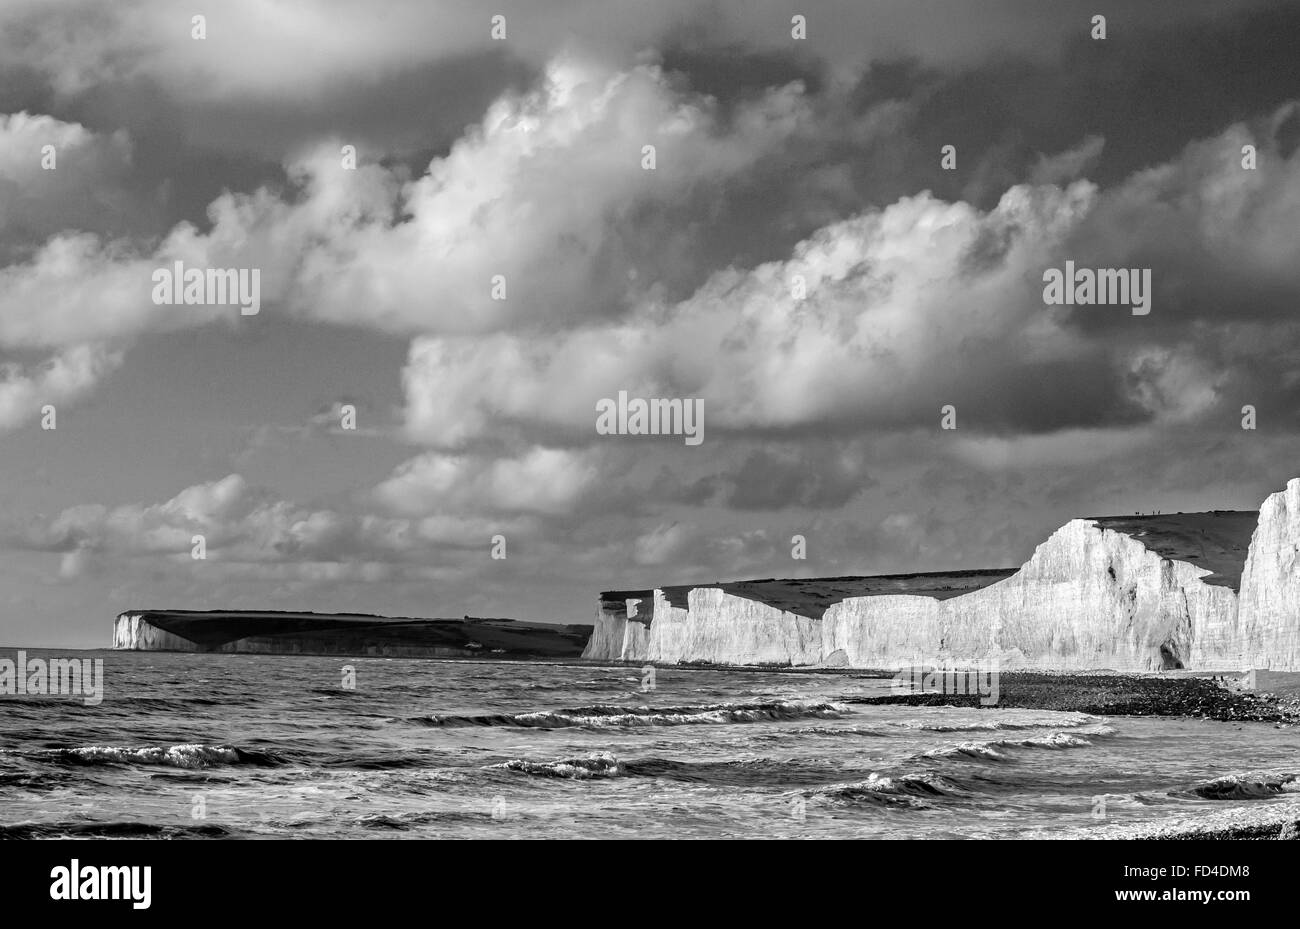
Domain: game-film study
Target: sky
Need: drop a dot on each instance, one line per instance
(801, 258)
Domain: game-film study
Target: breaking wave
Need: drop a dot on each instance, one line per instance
(608, 716)
(599, 764)
(996, 750)
(741, 772)
(1254, 786)
(911, 790)
(999, 725)
(175, 756)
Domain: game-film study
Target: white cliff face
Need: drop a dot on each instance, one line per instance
(718, 627)
(131, 631)
(1269, 617)
(1088, 598)
(607, 635)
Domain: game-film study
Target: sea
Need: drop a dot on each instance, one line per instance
(247, 746)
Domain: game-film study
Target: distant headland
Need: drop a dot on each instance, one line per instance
(263, 632)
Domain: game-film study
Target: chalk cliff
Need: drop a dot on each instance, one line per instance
(1125, 593)
(1269, 613)
(274, 633)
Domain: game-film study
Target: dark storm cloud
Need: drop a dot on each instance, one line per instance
(1147, 90)
(772, 479)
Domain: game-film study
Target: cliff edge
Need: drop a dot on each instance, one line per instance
(1217, 591)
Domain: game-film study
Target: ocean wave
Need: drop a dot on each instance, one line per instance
(402, 822)
(386, 760)
(1132, 799)
(176, 756)
(999, 725)
(606, 716)
(598, 764)
(1253, 786)
(836, 730)
(111, 830)
(747, 772)
(131, 704)
(910, 790)
(996, 750)
(38, 781)
(742, 772)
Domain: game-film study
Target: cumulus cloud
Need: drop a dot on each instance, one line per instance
(78, 288)
(590, 280)
(66, 377)
(548, 192)
(80, 182)
(889, 295)
(543, 212)
(540, 481)
(445, 510)
(547, 195)
(895, 296)
(88, 300)
(241, 525)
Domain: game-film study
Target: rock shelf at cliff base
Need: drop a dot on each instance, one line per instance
(1195, 591)
(280, 633)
